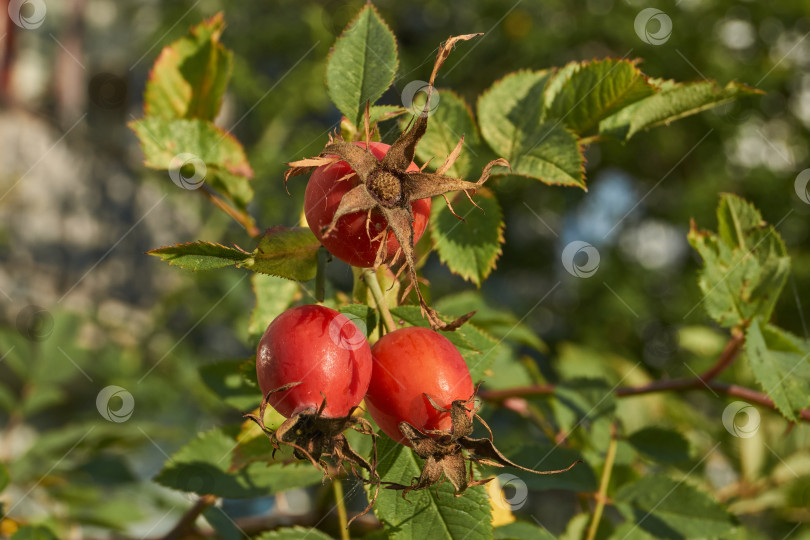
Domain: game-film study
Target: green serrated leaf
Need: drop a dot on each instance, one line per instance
(227, 381)
(468, 248)
(451, 120)
(34, 532)
(499, 323)
(431, 513)
(662, 445)
(273, 296)
(200, 255)
(203, 467)
(510, 114)
(290, 253)
(215, 156)
(668, 509)
(189, 77)
(745, 266)
(672, 102)
(362, 64)
(583, 93)
(476, 346)
(780, 362)
(293, 533)
(380, 113)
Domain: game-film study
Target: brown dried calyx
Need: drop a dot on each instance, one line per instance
(313, 436)
(388, 188)
(444, 451)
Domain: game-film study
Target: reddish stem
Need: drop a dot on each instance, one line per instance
(242, 218)
(704, 381)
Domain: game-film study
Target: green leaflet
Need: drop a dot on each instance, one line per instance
(200, 255)
(451, 120)
(662, 445)
(291, 253)
(511, 117)
(673, 101)
(293, 533)
(362, 64)
(189, 77)
(668, 509)
(203, 466)
(426, 514)
(781, 364)
(745, 265)
(234, 381)
(213, 155)
(583, 93)
(469, 248)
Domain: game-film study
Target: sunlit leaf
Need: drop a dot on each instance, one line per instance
(362, 64)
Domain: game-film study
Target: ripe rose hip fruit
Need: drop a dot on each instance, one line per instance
(407, 364)
(319, 348)
(350, 241)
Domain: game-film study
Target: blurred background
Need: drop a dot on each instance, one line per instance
(84, 308)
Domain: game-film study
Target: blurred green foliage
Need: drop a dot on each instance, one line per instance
(638, 318)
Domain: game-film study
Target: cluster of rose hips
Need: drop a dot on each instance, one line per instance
(368, 204)
(315, 366)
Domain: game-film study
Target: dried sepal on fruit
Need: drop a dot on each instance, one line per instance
(444, 451)
(387, 187)
(313, 436)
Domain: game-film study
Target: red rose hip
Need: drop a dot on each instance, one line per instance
(407, 364)
(350, 241)
(319, 348)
